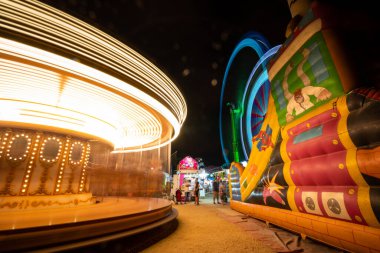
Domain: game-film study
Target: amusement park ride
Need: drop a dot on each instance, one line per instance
(76, 103)
(309, 129)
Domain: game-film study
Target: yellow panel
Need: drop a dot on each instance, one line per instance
(258, 160)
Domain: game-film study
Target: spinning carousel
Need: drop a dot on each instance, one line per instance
(75, 104)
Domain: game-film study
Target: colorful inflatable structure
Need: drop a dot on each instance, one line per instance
(314, 163)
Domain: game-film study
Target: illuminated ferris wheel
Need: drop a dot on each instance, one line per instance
(244, 96)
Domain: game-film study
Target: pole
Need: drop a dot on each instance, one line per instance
(233, 112)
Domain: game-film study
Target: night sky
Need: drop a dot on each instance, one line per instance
(190, 41)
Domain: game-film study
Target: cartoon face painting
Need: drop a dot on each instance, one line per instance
(299, 101)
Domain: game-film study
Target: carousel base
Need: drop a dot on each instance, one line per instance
(73, 227)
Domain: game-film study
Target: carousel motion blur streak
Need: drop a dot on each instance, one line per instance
(76, 104)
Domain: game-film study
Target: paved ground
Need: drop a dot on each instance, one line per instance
(217, 228)
(212, 228)
(203, 229)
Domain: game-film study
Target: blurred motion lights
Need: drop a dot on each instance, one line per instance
(133, 106)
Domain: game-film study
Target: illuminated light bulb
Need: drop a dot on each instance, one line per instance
(23, 190)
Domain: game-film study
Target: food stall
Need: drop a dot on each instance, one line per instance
(187, 173)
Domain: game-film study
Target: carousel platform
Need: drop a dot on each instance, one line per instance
(72, 227)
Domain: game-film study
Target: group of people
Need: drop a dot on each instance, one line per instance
(219, 191)
(179, 197)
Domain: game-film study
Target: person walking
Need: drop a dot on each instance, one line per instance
(196, 192)
(215, 190)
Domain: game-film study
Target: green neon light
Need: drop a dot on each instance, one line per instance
(234, 112)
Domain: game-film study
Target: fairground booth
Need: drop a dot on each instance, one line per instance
(187, 172)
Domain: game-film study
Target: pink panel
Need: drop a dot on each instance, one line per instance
(328, 169)
(328, 142)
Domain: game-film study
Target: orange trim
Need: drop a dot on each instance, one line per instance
(341, 234)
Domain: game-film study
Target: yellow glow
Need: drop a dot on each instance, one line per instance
(48, 91)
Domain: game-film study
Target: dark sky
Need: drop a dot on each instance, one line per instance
(190, 41)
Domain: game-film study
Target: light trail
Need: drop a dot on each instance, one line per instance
(133, 107)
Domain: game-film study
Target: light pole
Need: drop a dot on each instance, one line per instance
(233, 113)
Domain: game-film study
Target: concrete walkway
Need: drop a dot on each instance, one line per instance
(217, 228)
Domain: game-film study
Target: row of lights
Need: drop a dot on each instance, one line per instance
(32, 160)
(30, 164)
(76, 162)
(23, 156)
(52, 160)
(3, 143)
(62, 166)
(29, 142)
(83, 174)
